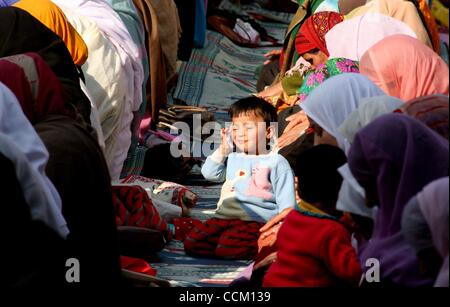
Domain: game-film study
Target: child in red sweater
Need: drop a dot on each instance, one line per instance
(314, 247)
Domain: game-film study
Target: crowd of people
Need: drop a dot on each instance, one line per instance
(354, 193)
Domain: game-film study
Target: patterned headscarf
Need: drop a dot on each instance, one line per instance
(324, 71)
(431, 110)
(312, 32)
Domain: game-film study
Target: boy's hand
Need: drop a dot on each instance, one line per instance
(274, 224)
(225, 148)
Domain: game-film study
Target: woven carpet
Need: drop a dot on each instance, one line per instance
(215, 77)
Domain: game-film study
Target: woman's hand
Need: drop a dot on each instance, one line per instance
(287, 138)
(271, 91)
(274, 224)
(272, 55)
(296, 119)
(266, 261)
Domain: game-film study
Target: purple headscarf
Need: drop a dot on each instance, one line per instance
(402, 155)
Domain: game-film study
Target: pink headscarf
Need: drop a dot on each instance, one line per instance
(405, 68)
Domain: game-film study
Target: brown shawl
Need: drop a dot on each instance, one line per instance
(162, 30)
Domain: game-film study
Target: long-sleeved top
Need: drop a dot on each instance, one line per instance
(314, 250)
(256, 187)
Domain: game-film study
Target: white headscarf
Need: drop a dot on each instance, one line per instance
(370, 108)
(20, 143)
(333, 101)
(352, 196)
(329, 105)
(351, 38)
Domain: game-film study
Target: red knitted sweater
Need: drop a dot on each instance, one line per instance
(313, 251)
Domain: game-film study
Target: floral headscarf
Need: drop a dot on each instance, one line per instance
(322, 72)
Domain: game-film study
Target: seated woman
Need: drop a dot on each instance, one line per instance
(414, 70)
(430, 110)
(360, 34)
(280, 61)
(76, 167)
(310, 45)
(327, 107)
(393, 158)
(314, 247)
(425, 227)
(297, 122)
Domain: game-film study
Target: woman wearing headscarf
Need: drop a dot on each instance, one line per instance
(310, 41)
(361, 33)
(106, 81)
(401, 10)
(333, 101)
(393, 158)
(53, 18)
(288, 55)
(369, 109)
(306, 7)
(297, 123)
(432, 110)
(113, 28)
(327, 107)
(310, 44)
(414, 70)
(76, 167)
(27, 34)
(425, 227)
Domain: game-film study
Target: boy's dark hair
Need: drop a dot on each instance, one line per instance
(318, 176)
(256, 106)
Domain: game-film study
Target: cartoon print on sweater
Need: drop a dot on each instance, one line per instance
(260, 185)
(228, 188)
